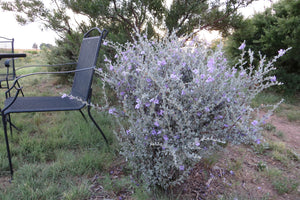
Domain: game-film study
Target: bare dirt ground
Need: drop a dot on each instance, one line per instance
(291, 131)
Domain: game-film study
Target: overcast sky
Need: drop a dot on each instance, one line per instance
(26, 36)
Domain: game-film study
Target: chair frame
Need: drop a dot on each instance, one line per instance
(9, 72)
(11, 103)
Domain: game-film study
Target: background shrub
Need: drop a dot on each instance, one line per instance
(278, 27)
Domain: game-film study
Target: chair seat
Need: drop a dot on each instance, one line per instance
(42, 104)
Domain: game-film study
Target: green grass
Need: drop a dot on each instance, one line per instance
(265, 99)
(48, 157)
(288, 109)
(293, 115)
(55, 154)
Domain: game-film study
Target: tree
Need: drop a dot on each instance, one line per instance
(121, 17)
(46, 46)
(35, 46)
(276, 28)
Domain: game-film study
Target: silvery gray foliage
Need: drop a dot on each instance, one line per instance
(180, 102)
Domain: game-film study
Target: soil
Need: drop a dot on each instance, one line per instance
(291, 131)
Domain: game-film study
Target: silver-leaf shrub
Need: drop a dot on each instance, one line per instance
(179, 101)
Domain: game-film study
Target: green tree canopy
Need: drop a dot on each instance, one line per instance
(276, 28)
(121, 17)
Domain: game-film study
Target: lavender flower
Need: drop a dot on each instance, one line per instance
(254, 123)
(258, 141)
(64, 96)
(195, 71)
(281, 52)
(209, 79)
(161, 112)
(243, 45)
(166, 138)
(210, 65)
(174, 76)
(112, 110)
(162, 63)
(153, 132)
(207, 109)
(273, 78)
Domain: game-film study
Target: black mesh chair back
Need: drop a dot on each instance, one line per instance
(89, 51)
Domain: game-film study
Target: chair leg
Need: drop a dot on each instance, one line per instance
(83, 115)
(4, 120)
(89, 112)
(11, 125)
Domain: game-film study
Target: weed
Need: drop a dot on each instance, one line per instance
(261, 148)
(279, 157)
(284, 185)
(269, 127)
(210, 160)
(292, 155)
(75, 193)
(117, 186)
(273, 173)
(261, 166)
(278, 146)
(279, 134)
(236, 164)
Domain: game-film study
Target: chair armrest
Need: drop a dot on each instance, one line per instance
(39, 73)
(56, 65)
(13, 101)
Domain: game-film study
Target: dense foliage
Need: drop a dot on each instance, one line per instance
(68, 18)
(123, 17)
(276, 28)
(181, 102)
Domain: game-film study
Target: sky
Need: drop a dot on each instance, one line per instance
(26, 36)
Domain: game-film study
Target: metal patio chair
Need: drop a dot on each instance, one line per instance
(7, 66)
(81, 89)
